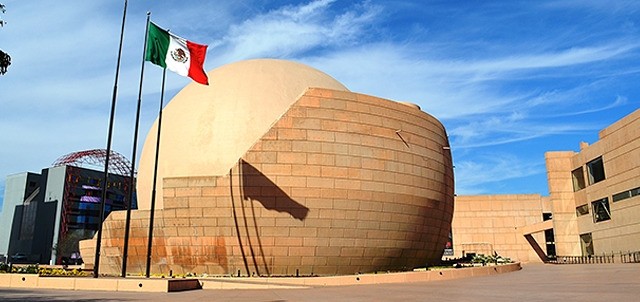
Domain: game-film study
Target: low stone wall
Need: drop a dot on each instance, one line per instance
(171, 285)
(405, 277)
(103, 284)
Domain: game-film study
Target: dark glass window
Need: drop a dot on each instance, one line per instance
(626, 194)
(586, 242)
(550, 241)
(577, 176)
(601, 210)
(582, 210)
(596, 170)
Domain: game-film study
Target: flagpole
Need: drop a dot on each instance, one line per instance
(155, 177)
(133, 156)
(96, 262)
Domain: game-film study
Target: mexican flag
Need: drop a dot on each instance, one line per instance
(176, 54)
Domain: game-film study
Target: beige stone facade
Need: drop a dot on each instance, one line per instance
(601, 191)
(339, 183)
(594, 201)
(488, 224)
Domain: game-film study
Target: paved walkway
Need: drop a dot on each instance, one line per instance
(597, 282)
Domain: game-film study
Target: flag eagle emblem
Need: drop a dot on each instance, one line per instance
(179, 55)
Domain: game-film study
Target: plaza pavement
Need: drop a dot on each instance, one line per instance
(595, 282)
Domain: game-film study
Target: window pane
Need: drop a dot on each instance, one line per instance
(582, 210)
(587, 244)
(621, 196)
(626, 194)
(596, 170)
(578, 179)
(601, 210)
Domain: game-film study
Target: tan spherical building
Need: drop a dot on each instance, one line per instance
(206, 129)
(278, 169)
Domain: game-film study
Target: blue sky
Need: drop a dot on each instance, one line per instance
(509, 79)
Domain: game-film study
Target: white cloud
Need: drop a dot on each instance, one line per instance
(488, 90)
(611, 7)
(502, 129)
(292, 30)
(602, 106)
(572, 56)
(475, 176)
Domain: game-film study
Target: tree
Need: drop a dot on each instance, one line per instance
(5, 59)
(2, 9)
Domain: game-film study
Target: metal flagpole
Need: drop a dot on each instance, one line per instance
(106, 161)
(133, 156)
(155, 177)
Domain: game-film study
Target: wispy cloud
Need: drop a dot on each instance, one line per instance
(497, 131)
(611, 7)
(498, 76)
(617, 102)
(292, 30)
(476, 176)
(563, 58)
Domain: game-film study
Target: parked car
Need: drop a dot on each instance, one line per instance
(71, 261)
(19, 258)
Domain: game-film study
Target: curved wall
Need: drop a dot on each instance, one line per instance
(336, 183)
(332, 188)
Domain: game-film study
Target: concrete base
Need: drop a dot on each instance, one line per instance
(172, 285)
(405, 277)
(103, 284)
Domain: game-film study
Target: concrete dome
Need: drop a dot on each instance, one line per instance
(206, 129)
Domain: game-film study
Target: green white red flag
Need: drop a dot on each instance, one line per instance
(177, 54)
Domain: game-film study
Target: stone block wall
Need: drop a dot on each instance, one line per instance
(488, 224)
(342, 183)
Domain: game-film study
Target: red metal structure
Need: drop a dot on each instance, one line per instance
(72, 213)
(118, 164)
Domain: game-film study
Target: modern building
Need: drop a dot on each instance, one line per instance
(20, 188)
(596, 192)
(278, 169)
(593, 207)
(46, 214)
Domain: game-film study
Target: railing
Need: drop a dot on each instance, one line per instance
(620, 257)
(631, 257)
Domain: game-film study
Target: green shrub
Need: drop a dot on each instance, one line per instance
(60, 272)
(4, 268)
(484, 259)
(27, 269)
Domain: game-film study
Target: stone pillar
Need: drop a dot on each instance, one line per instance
(565, 222)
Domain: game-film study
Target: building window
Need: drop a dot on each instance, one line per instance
(547, 216)
(601, 210)
(586, 242)
(596, 170)
(577, 176)
(550, 241)
(626, 194)
(582, 210)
